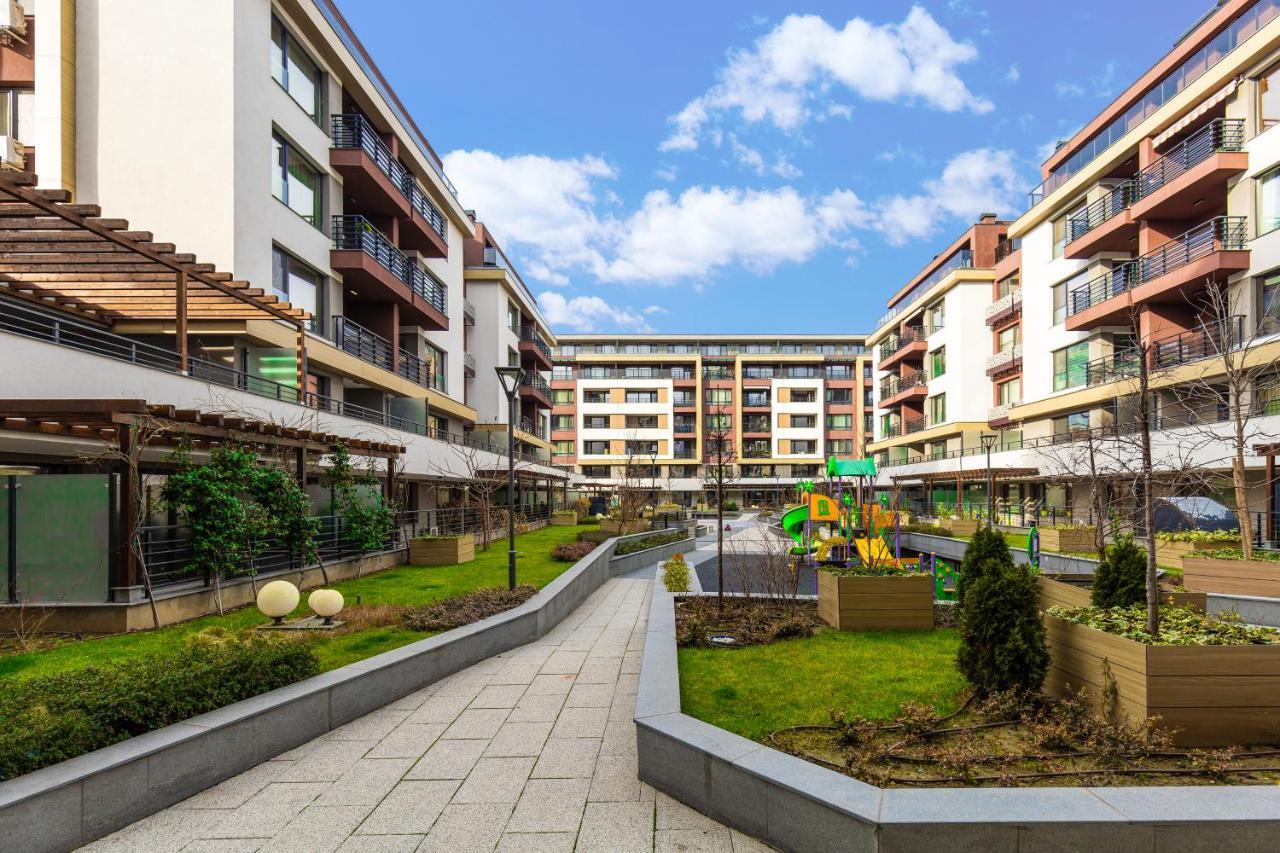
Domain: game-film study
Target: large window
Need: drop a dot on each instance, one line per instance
(1269, 307)
(564, 447)
(839, 421)
(937, 362)
(839, 446)
(513, 317)
(1008, 285)
(440, 373)
(295, 282)
(804, 395)
(16, 113)
(1269, 97)
(295, 181)
(641, 396)
(682, 398)
(642, 421)
(1269, 201)
(1008, 338)
(719, 422)
(562, 371)
(720, 396)
(595, 448)
(935, 317)
(807, 447)
(1009, 393)
(804, 421)
(642, 448)
(1062, 229)
(595, 396)
(562, 396)
(595, 422)
(1070, 366)
(562, 421)
(937, 409)
(295, 71)
(840, 396)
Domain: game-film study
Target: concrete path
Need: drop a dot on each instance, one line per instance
(533, 750)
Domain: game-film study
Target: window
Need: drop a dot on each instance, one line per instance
(840, 396)
(595, 396)
(638, 372)
(595, 448)
(868, 422)
(295, 181)
(439, 373)
(802, 372)
(1070, 365)
(756, 448)
(1059, 291)
(682, 398)
(568, 349)
(1009, 393)
(638, 349)
(562, 396)
(807, 447)
(642, 448)
(680, 348)
(641, 396)
(1269, 97)
(763, 371)
(839, 421)
(564, 448)
(715, 349)
(642, 421)
(935, 317)
(1008, 338)
(295, 71)
(1269, 201)
(1008, 285)
(562, 421)
(755, 423)
(719, 422)
(679, 372)
(595, 422)
(606, 349)
(513, 357)
(296, 282)
(839, 371)
(937, 362)
(1075, 422)
(1062, 229)
(804, 421)
(562, 372)
(598, 472)
(839, 447)
(513, 317)
(803, 395)
(757, 399)
(866, 370)
(937, 409)
(791, 349)
(594, 372)
(720, 396)
(16, 113)
(1269, 310)
(1268, 396)
(869, 398)
(684, 423)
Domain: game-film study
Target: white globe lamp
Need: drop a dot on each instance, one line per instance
(325, 603)
(277, 600)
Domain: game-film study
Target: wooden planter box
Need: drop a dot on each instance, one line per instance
(1075, 539)
(614, 527)
(568, 520)
(1056, 592)
(871, 603)
(1173, 553)
(442, 550)
(1215, 695)
(963, 528)
(1232, 577)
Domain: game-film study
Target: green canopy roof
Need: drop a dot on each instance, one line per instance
(851, 467)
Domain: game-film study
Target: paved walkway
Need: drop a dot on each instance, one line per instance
(533, 750)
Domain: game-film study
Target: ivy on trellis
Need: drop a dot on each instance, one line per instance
(369, 517)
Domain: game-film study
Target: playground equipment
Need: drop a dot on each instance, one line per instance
(849, 510)
(944, 577)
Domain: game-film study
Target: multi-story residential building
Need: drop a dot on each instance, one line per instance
(1151, 239)
(648, 408)
(267, 146)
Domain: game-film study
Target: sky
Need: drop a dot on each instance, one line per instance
(748, 167)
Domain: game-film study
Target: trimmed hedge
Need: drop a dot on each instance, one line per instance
(52, 718)
(630, 546)
(572, 552)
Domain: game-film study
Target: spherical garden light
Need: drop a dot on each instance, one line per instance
(326, 603)
(277, 600)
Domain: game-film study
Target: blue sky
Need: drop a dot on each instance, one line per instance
(748, 167)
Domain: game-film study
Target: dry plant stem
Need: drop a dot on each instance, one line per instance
(1105, 771)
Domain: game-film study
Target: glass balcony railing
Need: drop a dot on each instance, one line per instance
(962, 259)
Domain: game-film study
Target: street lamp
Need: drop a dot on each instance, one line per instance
(989, 441)
(510, 378)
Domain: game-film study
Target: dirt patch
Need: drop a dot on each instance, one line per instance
(465, 609)
(1011, 742)
(745, 621)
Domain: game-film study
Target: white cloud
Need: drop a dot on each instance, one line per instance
(973, 182)
(753, 161)
(1014, 74)
(654, 309)
(788, 76)
(666, 173)
(1068, 90)
(588, 314)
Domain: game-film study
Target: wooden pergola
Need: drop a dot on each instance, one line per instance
(1269, 453)
(68, 257)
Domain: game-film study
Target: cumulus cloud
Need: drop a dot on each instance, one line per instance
(977, 181)
(792, 73)
(589, 313)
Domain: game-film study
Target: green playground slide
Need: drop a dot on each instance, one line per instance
(793, 523)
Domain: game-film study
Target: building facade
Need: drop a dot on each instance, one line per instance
(656, 411)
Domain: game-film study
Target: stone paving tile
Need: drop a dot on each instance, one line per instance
(407, 740)
(715, 840)
(584, 695)
(615, 780)
(563, 663)
(171, 829)
(467, 828)
(381, 844)
(619, 738)
(225, 845)
(318, 828)
(374, 726)
(498, 696)
(519, 738)
(537, 842)
(410, 807)
(237, 790)
(603, 671)
(616, 828)
(495, 780)
(366, 783)
(439, 709)
(550, 684)
(518, 671)
(448, 759)
(673, 814)
(327, 761)
(537, 709)
(415, 699)
(567, 758)
(581, 722)
(550, 805)
(476, 723)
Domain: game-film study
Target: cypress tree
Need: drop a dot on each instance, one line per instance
(1121, 578)
(1002, 645)
(986, 545)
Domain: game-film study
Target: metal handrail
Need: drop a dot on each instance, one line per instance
(353, 130)
(1221, 134)
(1209, 340)
(428, 285)
(1115, 202)
(415, 369)
(1007, 247)
(530, 334)
(530, 379)
(895, 385)
(902, 339)
(351, 337)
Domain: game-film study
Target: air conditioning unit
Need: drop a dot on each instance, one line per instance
(12, 154)
(13, 18)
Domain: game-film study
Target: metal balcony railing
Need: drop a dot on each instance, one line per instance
(1210, 340)
(1222, 134)
(1121, 364)
(899, 340)
(352, 130)
(469, 363)
(1007, 247)
(1115, 202)
(535, 381)
(1004, 306)
(421, 203)
(355, 233)
(532, 427)
(530, 335)
(468, 313)
(1005, 360)
(896, 385)
(425, 283)
(351, 337)
(415, 369)
(685, 453)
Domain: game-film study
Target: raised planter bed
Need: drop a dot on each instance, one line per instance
(1173, 553)
(568, 519)
(614, 527)
(962, 528)
(1211, 695)
(874, 602)
(1062, 540)
(1073, 591)
(1234, 577)
(442, 550)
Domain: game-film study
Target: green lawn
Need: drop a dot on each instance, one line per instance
(404, 585)
(756, 690)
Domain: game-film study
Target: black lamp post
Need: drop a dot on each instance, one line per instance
(989, 441)
(510, 378)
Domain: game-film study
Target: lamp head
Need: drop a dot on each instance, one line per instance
(988, 440)
(510, 377)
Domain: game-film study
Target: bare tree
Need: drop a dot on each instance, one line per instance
(483, 477)
(762, 561)
(719, 455)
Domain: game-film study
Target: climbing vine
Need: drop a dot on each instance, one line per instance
(369, 517)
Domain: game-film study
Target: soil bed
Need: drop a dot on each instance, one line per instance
(747, 621)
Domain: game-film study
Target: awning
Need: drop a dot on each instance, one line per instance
(1190, 118)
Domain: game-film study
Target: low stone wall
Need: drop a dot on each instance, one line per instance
(799, 806)
(628, 563)
(70, 804)
(1253, 609)
(953, 549)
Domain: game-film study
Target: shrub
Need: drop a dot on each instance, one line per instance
(1121, 578)
(51, 718)
(467, 608)
(588, 519)
(930, 529)
(565, 513)
(1179, 626)
(653, 540)
(1002, 644)
(988, 544)
(572, 552)
(596, 536)
(583, 507)
(729, 506)
(675, 574)
(1224, 537)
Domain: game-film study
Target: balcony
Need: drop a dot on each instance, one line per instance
(365, 345)
(755, 401)
(685, 453)
(1006, 247)
(1119, 365)
(910, 343)
(907, 427)
(1005, 308)
(1106, 225)
(1212, 250)
(416, 370)
(534, 387)
(534, 348)
(685, 426)
(379, 272)
(962, 259)
(902, 388)
(1005, 362)
(1197, 168)
(532, 427)
(998, 416)
(381, 184)
(1210, 340)
(468, 314)
(468, 364)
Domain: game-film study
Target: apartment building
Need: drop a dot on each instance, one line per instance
(648, 409)
(272, 153)
(1151, 238)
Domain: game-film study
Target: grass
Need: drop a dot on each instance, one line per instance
(756, 690)
(404, 585)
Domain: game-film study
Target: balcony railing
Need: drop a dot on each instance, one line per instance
(1005, 360)
(899, 340)
(529, 334)
(1006, 305)
(1000, 412)
(1115, 202)
(1007, 247)
(533, 427)
(685, 453)
(468, 313)
(1220, 234)
(469, 363)
(352, 130)
(415, 369)
(1121, 364)
(896, 385)
(529, 379)
(355, 233)
(1209, 340)
(365, 345)
(962, 259)
(1222, 134)
(425, 283)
